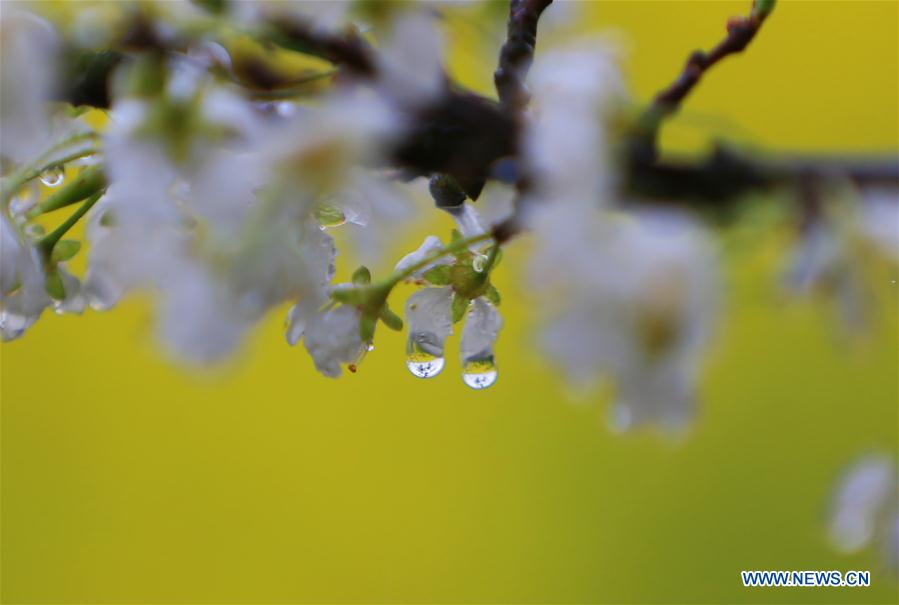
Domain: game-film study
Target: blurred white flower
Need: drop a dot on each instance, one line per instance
(28, 46)
(23, 296)
(865, 508)
(566, 142)
(218, 234)
(879, 221)
(411, 64)
(835, 250)
(631, 297)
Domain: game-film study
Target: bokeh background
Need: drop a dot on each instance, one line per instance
(126, 479)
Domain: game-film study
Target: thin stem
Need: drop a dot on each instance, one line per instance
(23, 176)
(491, 258)
(456, 246)
(47, 243)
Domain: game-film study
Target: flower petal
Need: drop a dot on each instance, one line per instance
(428, 313)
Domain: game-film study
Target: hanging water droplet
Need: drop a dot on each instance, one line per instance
(329, 216)
(479, 373)
(478, 262)
(424, 354)
(371, 347)
(53, 177)
(425, 368)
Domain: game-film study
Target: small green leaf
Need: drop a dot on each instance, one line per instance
(362, 276)
(64, 250)
(492, 294)
(440, 275)
(455, 236)
(460, 306)
(391, 319)
(367, 328)
(55, 288)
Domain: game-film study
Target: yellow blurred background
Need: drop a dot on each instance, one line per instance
(127, 479)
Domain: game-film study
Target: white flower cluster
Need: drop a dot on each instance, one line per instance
(216, 204)
(628, 296)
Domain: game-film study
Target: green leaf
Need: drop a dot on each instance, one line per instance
(362, 276)
(55, 288)
(64, 250)
(440, 275)
(460, 306)
(492, 294)
(391, 319)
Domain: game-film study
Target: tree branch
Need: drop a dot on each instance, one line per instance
(517, 53)
(740, 32)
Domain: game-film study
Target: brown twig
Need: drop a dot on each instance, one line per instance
(740, 32)
(517, 53)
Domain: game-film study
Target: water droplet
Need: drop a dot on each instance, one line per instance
(53, 177)
(371, 347)
(479, 373)
(478, 262)
(424, 354)
(329, 216)
(425, 368)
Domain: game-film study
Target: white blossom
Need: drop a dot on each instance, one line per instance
(333, 339)
(865, 509)
(28, 45)
(429, 315)
(565, 142)
(429, 321)
(428, 248)
(831, 256)
(633, 298)
(410, 68)
(23, 296)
